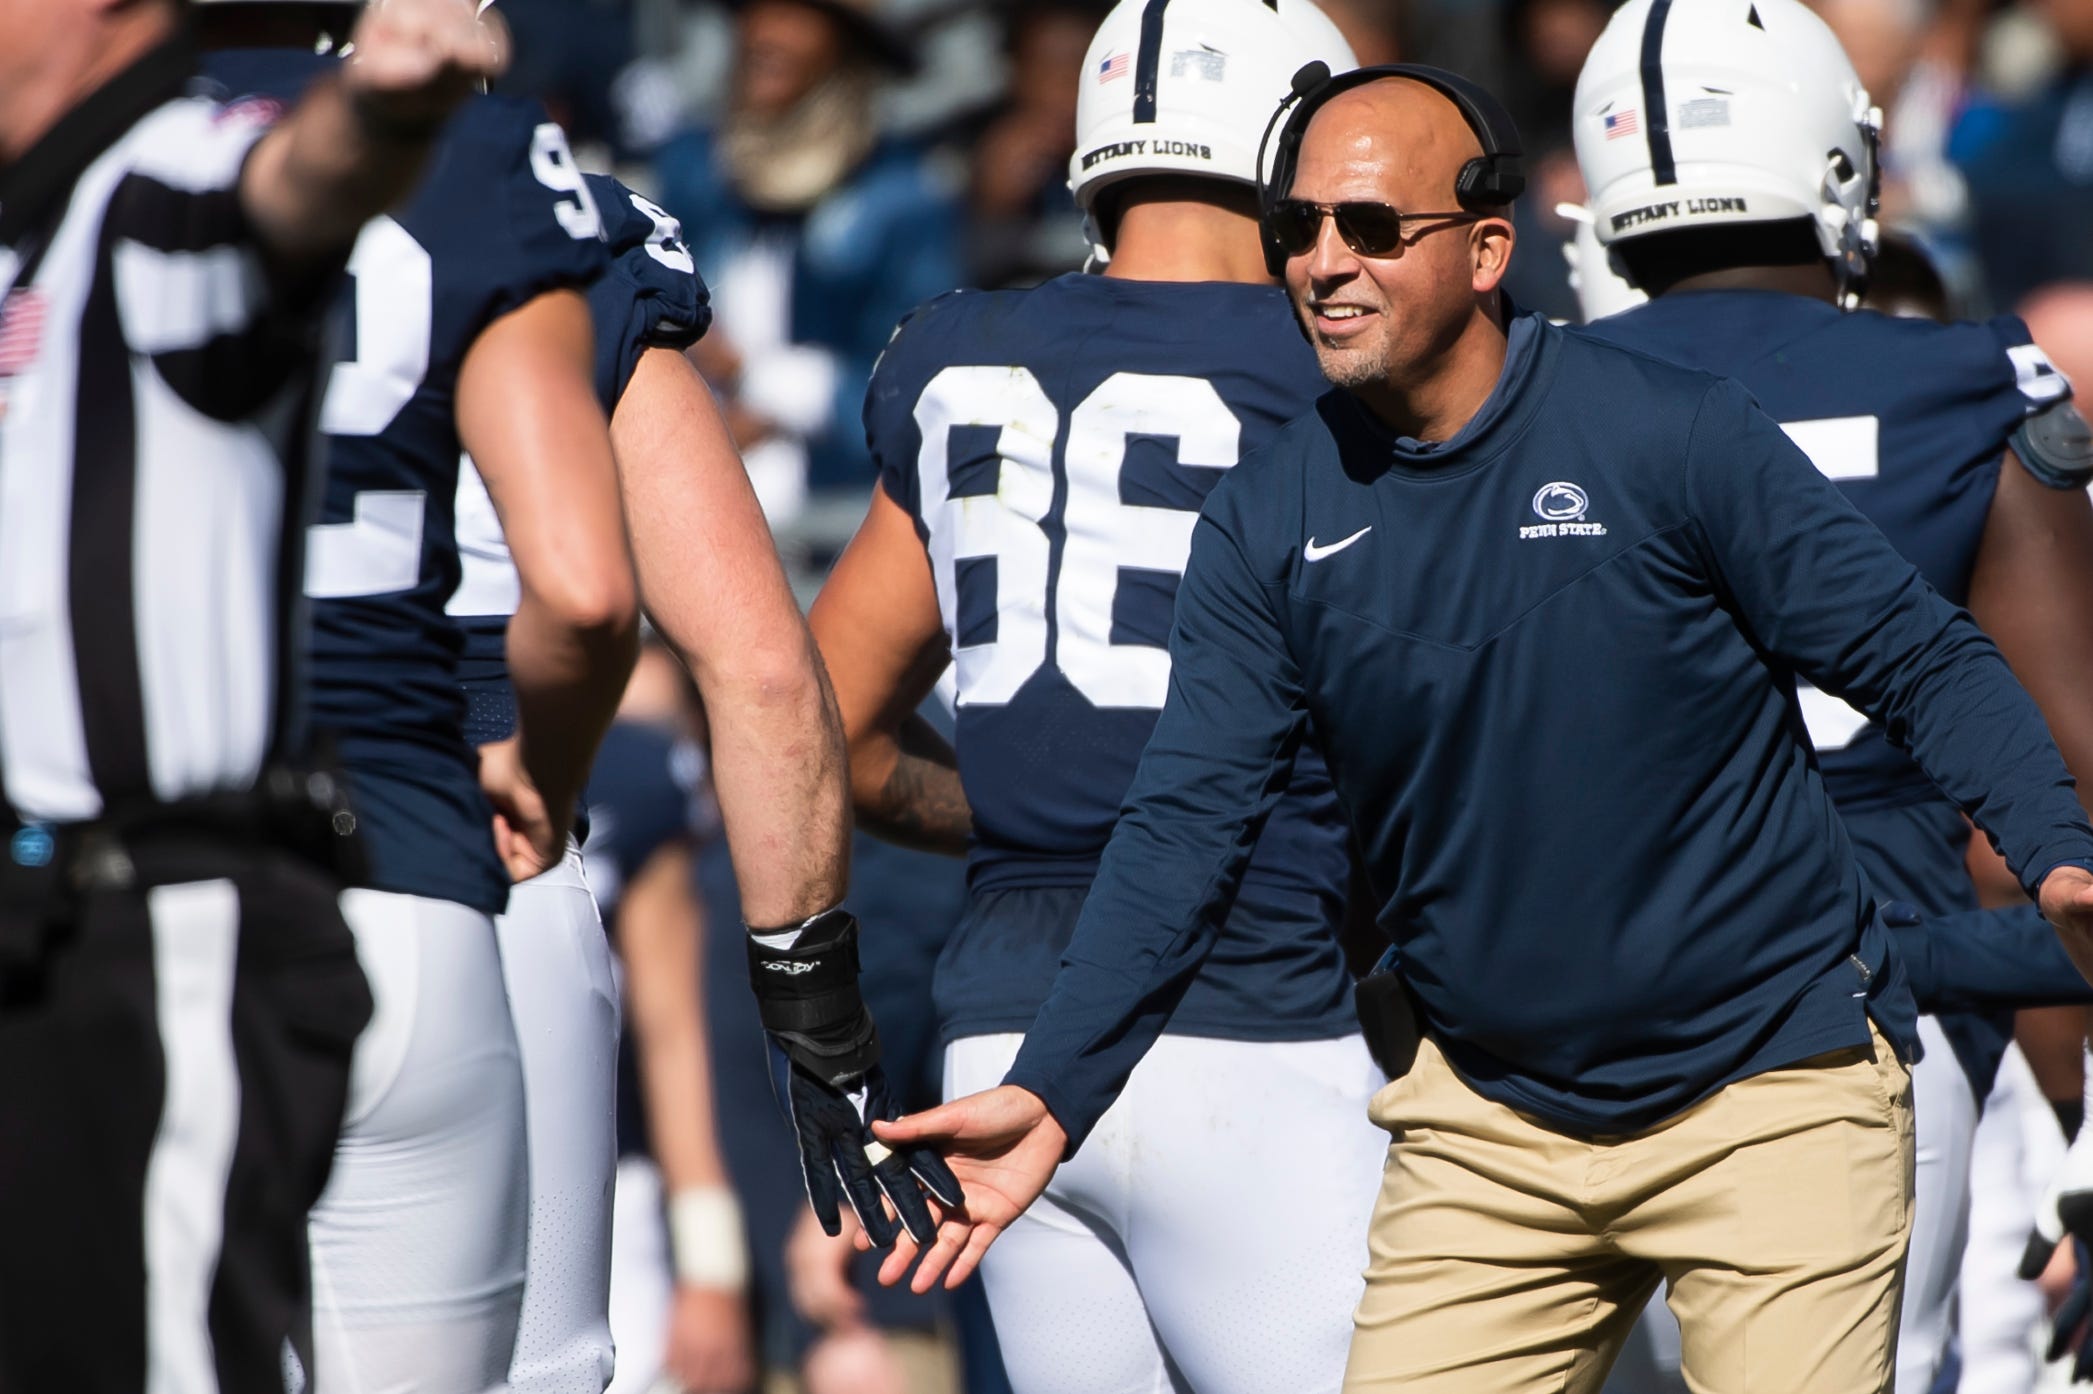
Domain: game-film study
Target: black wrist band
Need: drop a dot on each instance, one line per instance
(807, 997)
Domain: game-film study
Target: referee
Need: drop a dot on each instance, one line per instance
(178, 993)
(1545, 602)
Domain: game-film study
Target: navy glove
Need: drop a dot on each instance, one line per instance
(824, 1066)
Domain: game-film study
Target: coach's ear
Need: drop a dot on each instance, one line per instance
(1490, 241)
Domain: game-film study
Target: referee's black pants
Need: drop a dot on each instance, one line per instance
(174, 1062)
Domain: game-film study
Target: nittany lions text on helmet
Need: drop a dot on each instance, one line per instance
(1751, 113)
(1187, 89)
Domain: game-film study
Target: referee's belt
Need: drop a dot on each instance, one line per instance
(302, 812)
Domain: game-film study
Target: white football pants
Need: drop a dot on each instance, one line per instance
(562, 996)
(417, 1242)
(1209, 1236)
(2002, 1321)
(1945, 1111)
(642, 1278)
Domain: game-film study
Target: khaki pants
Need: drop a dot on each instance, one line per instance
(1510, 1259)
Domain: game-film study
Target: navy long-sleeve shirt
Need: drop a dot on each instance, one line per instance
(1552, 666)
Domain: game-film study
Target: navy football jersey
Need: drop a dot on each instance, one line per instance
(641, 796)
(1909, 417)
(501, 216)
(651, 297)
(1053, 446)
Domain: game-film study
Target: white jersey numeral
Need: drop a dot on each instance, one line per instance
(395, 318)
(1003, 525)
(378, 552)
(554, 166)
(1842, 448)
(666, 245)
(1104, 534)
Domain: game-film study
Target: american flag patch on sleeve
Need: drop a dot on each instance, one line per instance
(21, 330)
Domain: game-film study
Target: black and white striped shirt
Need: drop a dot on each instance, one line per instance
(154, 386)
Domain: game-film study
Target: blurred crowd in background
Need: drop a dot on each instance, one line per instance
(835, 163)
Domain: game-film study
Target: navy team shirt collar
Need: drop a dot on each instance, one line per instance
(1496, 420)
(44, 176)
(1726, 301)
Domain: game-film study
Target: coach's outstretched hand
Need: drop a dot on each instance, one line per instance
(1003, 1146)
(2067, 903)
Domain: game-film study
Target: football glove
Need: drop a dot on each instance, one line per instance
(824, 1067)
(2067, 1331)
(2067, 1208)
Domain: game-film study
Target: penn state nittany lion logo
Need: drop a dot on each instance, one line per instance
(1560, 502)
(1561, 505)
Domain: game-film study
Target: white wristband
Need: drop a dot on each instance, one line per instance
(706, 1238)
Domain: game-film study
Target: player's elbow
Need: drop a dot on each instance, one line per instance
(597, 604)
(772, 668)
(787, 680)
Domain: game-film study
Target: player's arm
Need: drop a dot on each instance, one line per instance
(527, 413)
(660, 930)
(2036, 551)
(713, 586)
(1817, 585)
(355, 145)
(2032, 591)
(877, 622)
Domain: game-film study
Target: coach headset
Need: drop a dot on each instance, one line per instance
(1487, 182)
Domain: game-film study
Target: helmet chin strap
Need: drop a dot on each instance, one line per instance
(1860, 236)
(1100, 255)
(1857, 236)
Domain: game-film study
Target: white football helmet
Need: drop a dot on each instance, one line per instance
(1189, 90)
(1600, 290)
(1751, 113)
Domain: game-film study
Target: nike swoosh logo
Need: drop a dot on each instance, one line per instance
(1314, 553)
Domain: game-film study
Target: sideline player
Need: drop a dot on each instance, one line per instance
(711, 581)
(1749, 219)
(468, 331)
(1042, 456)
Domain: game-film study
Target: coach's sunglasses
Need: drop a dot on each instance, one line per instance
(1370, 229)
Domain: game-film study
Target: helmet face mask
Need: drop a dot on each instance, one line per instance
(1749, 113)
(1188, 91)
